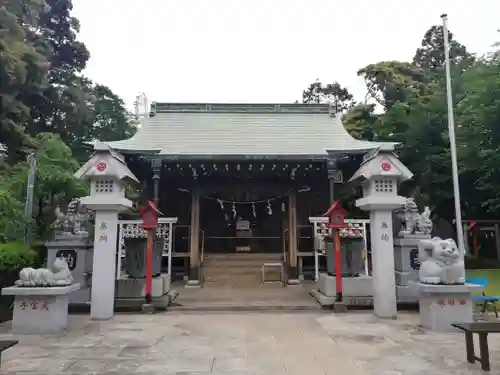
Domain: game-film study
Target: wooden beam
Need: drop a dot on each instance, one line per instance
(292, 236)
(194, 237)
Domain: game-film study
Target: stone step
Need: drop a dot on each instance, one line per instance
(272, 274)
(243, 256)
(231, 279)
(240, 270)
(239, 262)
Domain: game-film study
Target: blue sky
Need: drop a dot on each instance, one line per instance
(260, 50)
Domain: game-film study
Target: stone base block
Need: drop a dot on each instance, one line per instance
(325, 301)
(442, 305)
(148, 308)
(193, 284)
(406, 294)
(403, 278)
(40, 310)
(360, 286)
(135, 288)
(80, 297)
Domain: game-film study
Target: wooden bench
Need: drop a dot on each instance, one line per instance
(482, 329)
(6, 344)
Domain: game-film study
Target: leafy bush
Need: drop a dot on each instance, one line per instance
(15, 255)
(12, 221)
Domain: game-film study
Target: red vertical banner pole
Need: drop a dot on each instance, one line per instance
(149, 266)
(338, 266)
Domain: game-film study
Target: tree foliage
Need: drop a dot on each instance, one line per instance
(412, 97)
(46, 103)
(339, 97)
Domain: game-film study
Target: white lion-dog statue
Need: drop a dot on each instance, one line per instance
(441, 262)
(43, 277)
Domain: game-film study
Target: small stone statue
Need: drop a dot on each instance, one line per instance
(320, 238)
(424, 222)
(43, 277)
(441, 262)
(412, 221)
(73, 222)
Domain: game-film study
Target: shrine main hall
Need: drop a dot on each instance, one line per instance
(242, 181)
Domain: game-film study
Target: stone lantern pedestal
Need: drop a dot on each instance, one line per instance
(379, 175)
(108, 175)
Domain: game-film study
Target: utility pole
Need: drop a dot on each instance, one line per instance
(451, 132)
(32, 160)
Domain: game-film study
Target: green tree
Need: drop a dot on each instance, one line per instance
(313, 94)
(339, 97)
(54, 184)
(430, 56)
(389, 82)
(23, 68)
(478, 134)
(361, 121)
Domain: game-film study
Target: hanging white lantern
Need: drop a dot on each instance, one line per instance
(269, 209)
(234, 210)
(253, 210)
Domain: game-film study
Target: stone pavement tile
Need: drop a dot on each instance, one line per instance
(176, 366)
(98, 366)
(89, 353)
(43, 365)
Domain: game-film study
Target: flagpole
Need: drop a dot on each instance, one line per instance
(451, 132)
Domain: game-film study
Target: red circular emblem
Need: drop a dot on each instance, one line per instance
(386, 166)
(101, 166)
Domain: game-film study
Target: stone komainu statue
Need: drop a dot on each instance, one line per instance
(74, 221)
(44, 277)
(441, 262)
(411, 221)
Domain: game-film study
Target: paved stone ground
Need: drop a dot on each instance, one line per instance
(261, 296)
(306, 343)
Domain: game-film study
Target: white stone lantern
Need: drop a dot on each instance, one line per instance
(379, 175)
(108, 176)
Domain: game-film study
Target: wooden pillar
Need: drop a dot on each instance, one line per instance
(194, 237)
(156, 167)
(292, 237)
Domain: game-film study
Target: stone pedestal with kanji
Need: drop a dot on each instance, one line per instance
(40, 310)
(108, 175)
(77, 249)
(443, 305)
(379, 175)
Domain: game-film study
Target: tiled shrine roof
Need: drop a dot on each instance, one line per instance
(199, 130)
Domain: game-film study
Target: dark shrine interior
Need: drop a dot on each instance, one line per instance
(236, 194)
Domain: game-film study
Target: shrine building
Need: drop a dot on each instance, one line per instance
(241, 178)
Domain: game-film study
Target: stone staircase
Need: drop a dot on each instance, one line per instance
(241, 270)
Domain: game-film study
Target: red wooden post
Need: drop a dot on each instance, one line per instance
(149, 266)
(338, 264)
(149, 214)
(336, 214)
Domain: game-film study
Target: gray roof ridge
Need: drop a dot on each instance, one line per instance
(157, 107)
